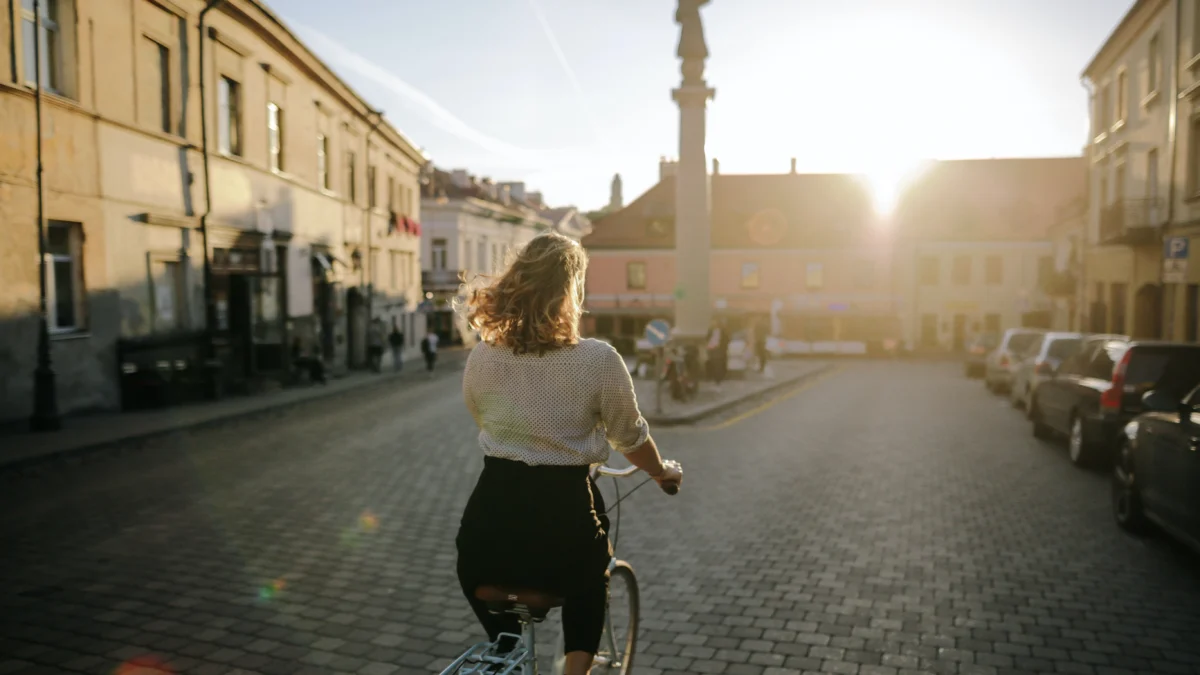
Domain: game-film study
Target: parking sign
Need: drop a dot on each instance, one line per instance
(1175, 260)
(1175, 248)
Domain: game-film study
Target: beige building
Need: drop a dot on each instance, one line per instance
(975, 247)
(1130, 177)
(312, 207)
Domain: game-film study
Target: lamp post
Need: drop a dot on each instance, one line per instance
(45, 395)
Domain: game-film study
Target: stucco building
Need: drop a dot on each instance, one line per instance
(311, 210)
(968, 248)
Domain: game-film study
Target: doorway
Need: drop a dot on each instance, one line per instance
(241, 328)
(1147, 312)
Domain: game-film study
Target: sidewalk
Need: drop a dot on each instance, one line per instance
(87, 433)
(711, 400)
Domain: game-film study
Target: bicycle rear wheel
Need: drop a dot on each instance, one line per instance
(619, 641)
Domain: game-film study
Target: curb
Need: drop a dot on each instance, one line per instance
(72, 454)
(696, 416)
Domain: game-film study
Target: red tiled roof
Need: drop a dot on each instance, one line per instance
(991, 199)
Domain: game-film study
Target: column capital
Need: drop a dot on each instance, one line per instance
(693, 95)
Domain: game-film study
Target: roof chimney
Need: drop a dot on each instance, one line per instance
(716, 166)
(460, 178)
(793, 165)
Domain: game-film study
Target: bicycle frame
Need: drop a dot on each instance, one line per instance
(482, 658)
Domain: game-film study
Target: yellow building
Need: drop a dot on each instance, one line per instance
(312, 210)
(1130, 179)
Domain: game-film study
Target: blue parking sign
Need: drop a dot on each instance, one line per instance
(658, 332)
(1175, 248)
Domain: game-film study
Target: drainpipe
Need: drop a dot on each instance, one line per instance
(1173, 146)
(368, 290)
(210, 308)
(45, 392)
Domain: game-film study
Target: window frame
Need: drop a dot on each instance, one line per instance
(352, 176)
(74, 256)
(439, 251)
(275, 126)
(323, 161)
(633, 270)
(53, 56)
(1154, 64)
(372, 192)
(229, 116)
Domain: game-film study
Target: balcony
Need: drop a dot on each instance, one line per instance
(441, 280)
(1132, 222)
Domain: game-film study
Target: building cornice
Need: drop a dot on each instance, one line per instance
(257, 16)
(1135, 21)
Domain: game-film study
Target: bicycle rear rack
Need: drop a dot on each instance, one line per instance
(483, 659)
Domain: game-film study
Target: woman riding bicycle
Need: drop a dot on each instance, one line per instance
(548, 405)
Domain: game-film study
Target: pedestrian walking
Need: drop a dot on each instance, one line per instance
(718, 352)
(375, 345)
(429, 347)
(396, 340)
(760, 345)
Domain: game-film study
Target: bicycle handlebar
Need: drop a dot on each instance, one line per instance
(670, 488)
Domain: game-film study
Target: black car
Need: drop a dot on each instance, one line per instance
(1096, 392)
(1156, 476)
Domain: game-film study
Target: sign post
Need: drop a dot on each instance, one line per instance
(1175, 260)
(658, 332)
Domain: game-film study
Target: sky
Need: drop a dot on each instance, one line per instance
(562, 94)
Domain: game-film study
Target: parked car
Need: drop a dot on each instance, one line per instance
(1000, 362)
(1039, 362)
(1099, 390)
(1156, 476)
(975, 364)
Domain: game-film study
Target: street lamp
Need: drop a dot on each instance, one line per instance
(45, 395)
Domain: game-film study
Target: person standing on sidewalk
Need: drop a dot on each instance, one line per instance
(429, 346)
(760, 345)
(396, 340)
(718, 352)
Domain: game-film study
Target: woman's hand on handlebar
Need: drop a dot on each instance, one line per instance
(671, 477)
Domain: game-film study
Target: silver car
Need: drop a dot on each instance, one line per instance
(1000, 363)
(1038, 363)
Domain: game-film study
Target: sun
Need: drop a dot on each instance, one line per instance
(887, 179)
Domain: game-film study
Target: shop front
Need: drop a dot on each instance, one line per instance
(250, 333)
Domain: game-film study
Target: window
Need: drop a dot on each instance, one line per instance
(994, 270)
(52, 46)
(927, 270)
(960, 273)
(635, 275)
(1046, 270)
(481, 257)
(814, 276)
(438, 254)
(275, 135)
(64, 276)
(751, 275)
(323, 161)
(158, 99)
(391, 193)
(395, 256)
(229, 117)
(168, 296)
(1105, 108)
(1155, 65)
(1118, 194)
(371, 186)
(1122, 91)
(1194, 154)
(352, 176)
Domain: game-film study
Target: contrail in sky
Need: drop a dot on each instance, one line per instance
(566, 66)
(426, 105)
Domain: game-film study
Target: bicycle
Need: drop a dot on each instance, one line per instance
(531, 606)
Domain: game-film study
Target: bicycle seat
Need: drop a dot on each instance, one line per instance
(524, 601)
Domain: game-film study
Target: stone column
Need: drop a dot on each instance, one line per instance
(693, 227)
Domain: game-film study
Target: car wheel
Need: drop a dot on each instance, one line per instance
(1078, 448)
(1126, 497)
(1040, 429)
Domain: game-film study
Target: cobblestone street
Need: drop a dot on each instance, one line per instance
(885, 518)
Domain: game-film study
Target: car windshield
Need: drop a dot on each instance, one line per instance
(1020, 342)
(1063, 347)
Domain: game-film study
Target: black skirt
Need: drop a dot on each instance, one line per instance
(540, 527)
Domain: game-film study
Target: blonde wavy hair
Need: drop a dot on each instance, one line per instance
(535, 305)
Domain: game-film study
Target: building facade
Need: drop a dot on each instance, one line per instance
(304, 199)
(472, 226)
(969, 248)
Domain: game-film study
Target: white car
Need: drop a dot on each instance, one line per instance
(1038, 363)
(1003, 359)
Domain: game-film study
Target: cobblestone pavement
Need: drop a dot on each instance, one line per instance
(890, 518)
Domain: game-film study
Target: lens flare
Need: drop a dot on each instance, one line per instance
(144, 665)
(272, 589)
(368, 522)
